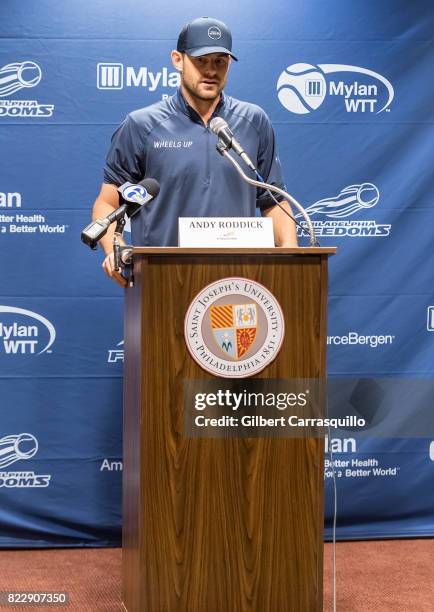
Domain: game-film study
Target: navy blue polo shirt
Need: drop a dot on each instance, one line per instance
(169, 142)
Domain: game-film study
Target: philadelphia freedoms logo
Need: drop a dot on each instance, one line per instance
(302, 88)
(19, 447)
(16, 447)
(13, 78)
(349, 201)
(234, 328)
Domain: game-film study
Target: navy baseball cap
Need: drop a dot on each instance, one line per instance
(205, 35)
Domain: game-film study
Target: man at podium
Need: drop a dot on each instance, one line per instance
(171, 141)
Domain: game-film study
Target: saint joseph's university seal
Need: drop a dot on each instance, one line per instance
(234, 328)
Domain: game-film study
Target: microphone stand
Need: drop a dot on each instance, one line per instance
(122, 254)
(223, 150)
(116, 244)
(126, 257)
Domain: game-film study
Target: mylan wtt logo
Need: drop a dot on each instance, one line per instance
(110, 76)
(302, 88)
(25, 332)
(114, 75)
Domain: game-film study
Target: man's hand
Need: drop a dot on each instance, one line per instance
(109, 268)
(285, 234)
(107, 202)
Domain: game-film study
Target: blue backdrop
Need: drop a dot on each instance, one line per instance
(349, 89)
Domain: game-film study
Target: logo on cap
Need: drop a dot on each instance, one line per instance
(214, 32)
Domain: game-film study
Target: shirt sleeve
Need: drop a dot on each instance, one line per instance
(125, 159)
(268, 165)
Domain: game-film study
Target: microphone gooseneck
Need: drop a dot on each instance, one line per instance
(221, 129)
(227, 141)
(262, 185)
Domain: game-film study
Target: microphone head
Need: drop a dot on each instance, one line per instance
(152, 186)
(217, 124)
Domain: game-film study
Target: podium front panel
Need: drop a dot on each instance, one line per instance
(218, 524)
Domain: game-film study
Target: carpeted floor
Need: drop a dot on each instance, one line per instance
(395, 576)
(381, 576)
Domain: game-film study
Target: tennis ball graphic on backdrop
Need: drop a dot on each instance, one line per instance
(16, 447)
(301, 88)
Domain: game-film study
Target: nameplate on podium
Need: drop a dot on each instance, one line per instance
(209, 232)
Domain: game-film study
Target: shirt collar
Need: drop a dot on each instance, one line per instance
(182, 104)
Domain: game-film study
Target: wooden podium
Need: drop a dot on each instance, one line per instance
(218, 525)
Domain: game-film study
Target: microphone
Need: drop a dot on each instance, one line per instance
(224, 133)
(134, 197)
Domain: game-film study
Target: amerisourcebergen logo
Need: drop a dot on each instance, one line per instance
(25, 332)
(353, 338)
(234, 328)
(113, 75)
(303, 88)
(15, 77)
(351, 200)
(20, 447)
